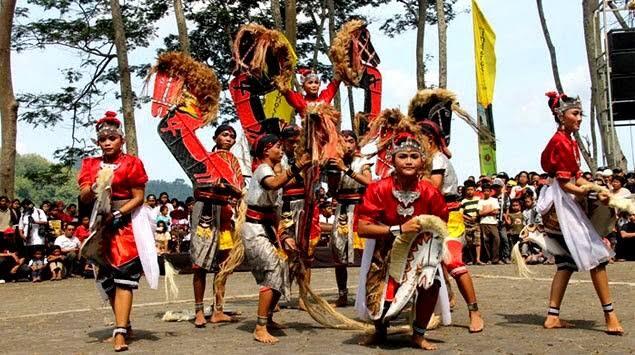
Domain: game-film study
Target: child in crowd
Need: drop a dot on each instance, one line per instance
(161, 237)
(469, 206)
(488, 209)
(530, 214)
(164, 217)
(514, 221)
(37, 265)
(56, 263)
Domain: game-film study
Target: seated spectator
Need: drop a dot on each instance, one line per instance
(69, 247)
(56, 263)
(625, 247)
(55, 223)
(37, 264)
(12, 262)
(83, 230)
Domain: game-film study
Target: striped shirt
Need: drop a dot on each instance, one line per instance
(470, 208)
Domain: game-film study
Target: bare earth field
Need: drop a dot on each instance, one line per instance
(67, 317)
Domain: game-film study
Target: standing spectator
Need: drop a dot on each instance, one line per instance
(17, 209)
(63, 216)
(469, 205)
(46, 206)
(617, 186)
(522, 186)
(69, 246)
(514, 221)
(530, 213)
(607, 176)
(175, 203)
(488, 209)
(502, 195)
(164, 200)
(56, 263)
(83, 230)
(6, 215)
(151, 201)
(71, 210)
(37, 264)
(33, 219)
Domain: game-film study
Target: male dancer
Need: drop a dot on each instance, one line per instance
(211, 239)
(265, 252)
(355, 176)
(388, 210)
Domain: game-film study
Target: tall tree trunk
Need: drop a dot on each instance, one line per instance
(290, 22)
(337, 102)
(552, 50)
(610, 145)
(585, 149)
(184, 39)
(443, 44)
(127, 96)
(351, 106)
(420, 53)
(8, 104)
(276, 14)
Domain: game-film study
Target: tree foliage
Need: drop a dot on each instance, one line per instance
(84, 27)
(38, 179)
(407, 20)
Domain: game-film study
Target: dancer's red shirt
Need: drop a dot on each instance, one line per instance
(379, 205)
(120, 247)
(561, 157)
(300, 102)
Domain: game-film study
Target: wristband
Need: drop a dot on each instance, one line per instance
(349, 172)
(395, 230)
(116, 214)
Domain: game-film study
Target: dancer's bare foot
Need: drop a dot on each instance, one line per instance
(476, 322)
(420, 342)
(199, 321)
(220, 317)
(271, 325)
(553, 322)
(262, 335)
(373, 339)
(613, 326)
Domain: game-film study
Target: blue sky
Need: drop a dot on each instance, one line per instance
(522, 120)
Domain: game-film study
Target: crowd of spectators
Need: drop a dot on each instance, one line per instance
(42, 243)
(497, 208)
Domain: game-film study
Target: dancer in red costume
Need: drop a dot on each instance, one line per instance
(580, 246)
(444, 178)
(390, 208)
(311, 87)
(127, 239)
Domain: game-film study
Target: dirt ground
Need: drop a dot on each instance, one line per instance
(67, 317)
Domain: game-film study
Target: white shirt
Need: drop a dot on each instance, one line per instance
(357, 165)
(491, 203)
(31, 231)
(257, 195)
(441, 165)
(67, 243)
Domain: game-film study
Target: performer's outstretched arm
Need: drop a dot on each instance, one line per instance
(330, 91)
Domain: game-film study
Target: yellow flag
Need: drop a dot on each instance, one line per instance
(275, 105)
(485, 60)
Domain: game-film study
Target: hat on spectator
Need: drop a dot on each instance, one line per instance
(498, 182)
(511, 182)
(503, 175)
(607, 172)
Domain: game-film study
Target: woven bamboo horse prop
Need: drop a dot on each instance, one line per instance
(185, 97)
(264, 60)
(355, 63)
